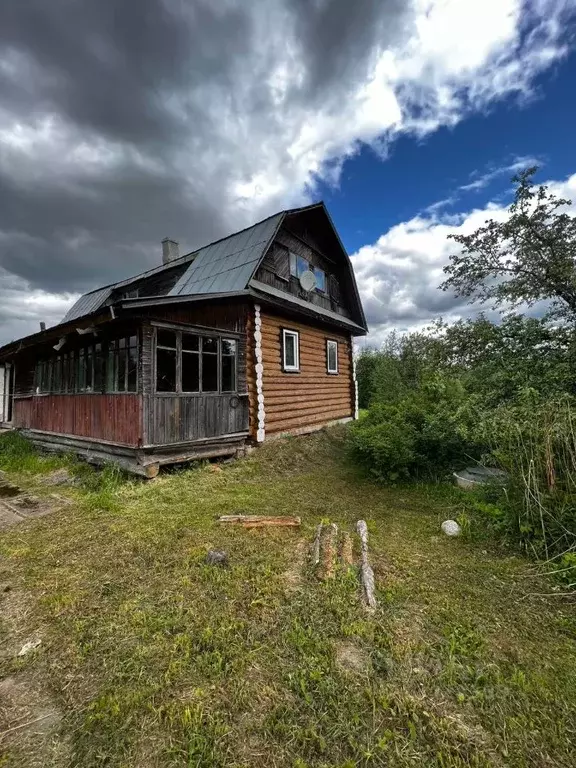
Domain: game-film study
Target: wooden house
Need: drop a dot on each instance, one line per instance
(243, 340)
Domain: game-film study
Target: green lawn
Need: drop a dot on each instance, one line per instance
(150, 657)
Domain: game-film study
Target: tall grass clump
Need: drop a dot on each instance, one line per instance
(534, 440)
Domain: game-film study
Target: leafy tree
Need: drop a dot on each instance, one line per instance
(527, 258)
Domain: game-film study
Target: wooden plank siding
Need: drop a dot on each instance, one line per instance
(313, 396)
(115, 418)
(184, 418)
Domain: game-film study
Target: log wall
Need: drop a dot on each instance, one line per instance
(311, 397)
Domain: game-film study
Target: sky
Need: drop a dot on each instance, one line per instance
(124, 123)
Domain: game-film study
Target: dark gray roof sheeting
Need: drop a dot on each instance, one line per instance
(87, 303)
(224, 267)
(228, 264)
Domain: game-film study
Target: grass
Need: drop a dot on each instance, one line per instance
(153, 658)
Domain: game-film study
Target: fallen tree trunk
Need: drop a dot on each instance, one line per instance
(259, 521)
(327, 560)
(366, 572)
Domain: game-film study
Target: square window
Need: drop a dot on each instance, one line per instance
(190, 342)
(298, 264)
(331, 356)
(290, 351)
(209, 345)
(320, 276)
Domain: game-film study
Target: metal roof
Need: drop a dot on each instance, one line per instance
(228, 264)
(223, 267)
(87, 303)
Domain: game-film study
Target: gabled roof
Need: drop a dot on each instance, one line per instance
(226, 267)
(228, 264)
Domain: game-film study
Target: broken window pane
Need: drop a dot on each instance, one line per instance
(228, 346)
(166, 370)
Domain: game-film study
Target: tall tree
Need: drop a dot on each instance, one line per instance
(527, 258)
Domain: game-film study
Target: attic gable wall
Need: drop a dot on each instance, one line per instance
(275, 271)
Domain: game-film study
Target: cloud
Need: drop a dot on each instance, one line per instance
(193, 118)
(398, 275)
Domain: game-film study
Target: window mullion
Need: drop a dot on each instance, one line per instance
(200, 363)
(179, 361)
(219, 366)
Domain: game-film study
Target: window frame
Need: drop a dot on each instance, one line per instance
(296, 335)
(202, 333)
(329, 371)
(73, 372)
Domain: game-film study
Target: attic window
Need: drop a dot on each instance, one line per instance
(298, 265)
(132, 294)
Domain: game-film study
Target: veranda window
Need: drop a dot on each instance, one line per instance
(106, 366)
(194, 363)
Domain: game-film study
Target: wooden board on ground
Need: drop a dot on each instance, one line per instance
(258, 521)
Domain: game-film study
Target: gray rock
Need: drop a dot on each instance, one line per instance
(31, 645)
(217, 557)
(451, 528)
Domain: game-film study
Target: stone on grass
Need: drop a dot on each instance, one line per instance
(31, 645)
(451, 528)
(217, 557)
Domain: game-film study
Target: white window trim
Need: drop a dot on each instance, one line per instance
(332, 371)
(291, 368)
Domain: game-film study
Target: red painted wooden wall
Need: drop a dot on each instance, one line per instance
(117, 418)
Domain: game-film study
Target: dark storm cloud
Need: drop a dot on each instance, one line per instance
(123, 122)
(339, 39)
(107, 65)
(139, 115)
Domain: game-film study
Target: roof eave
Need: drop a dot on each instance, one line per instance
(263, 292)
(155, 301)
(16, 346)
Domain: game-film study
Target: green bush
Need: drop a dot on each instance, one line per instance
(424, 434)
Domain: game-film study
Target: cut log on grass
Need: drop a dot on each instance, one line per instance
(366, 572)
(259, 521)
(328, 539)
(316, 547)
(346, 558)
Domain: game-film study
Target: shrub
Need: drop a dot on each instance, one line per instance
(423, 434)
